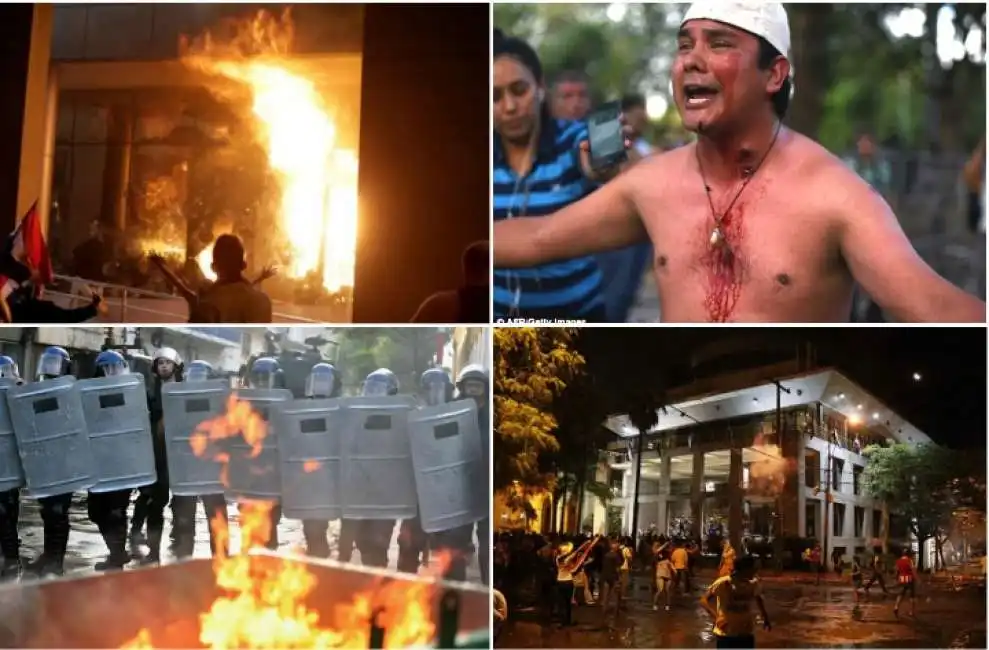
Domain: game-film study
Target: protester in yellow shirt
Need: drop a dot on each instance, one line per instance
(729, 600)
(679, 559)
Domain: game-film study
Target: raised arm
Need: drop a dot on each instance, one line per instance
(604, 220)
(884, 262)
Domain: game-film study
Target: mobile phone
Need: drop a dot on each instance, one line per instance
(605, 136)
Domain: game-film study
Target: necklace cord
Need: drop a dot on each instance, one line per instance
(748, 177)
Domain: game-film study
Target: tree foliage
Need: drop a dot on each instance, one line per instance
(532, 368)
(405, 351)
(923, 484)
(851, 73)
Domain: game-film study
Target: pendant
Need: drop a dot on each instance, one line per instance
(717, 238)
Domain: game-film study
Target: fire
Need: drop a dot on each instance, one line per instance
(264, 602)
(768, 469)
(318, 180)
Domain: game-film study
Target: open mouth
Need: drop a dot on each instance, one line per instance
(696, 95)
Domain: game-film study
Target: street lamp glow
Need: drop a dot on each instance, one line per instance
(916, 376)
(875, 416)
(854, 419)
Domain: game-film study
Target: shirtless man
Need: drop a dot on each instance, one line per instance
(754, 222)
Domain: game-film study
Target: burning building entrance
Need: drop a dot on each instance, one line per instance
(219, 119)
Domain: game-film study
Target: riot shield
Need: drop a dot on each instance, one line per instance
(378, 481)
(309, 432)
(119, 425)
(257, 476)
(185, 405)
(11, 471)
(448, 463)
(51, 437)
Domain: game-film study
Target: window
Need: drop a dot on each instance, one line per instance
(810, 517)
(812, 468)
(859, 522)
(877, 523)
(838, 528)
(857, 479)
(837, 467)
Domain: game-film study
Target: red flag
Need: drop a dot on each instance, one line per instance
(28, 247)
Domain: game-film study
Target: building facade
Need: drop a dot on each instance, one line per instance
(752, 456)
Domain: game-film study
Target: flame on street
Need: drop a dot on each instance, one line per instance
(768, 469)
(263, 604)
(318, 179)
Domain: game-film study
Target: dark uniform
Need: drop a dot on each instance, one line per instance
(108, 510)
(184, 507)
(473, 383)
(54, 363)
(10, 501)
(323, 382)
(166, 367)
(372, 537)
(267, 373)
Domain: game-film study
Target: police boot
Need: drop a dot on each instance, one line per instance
(11, 569)
(45, 566)
(113, 562)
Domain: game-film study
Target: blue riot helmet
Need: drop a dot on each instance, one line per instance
(380, 383)
(199, 371)
(435, 386)
(8, 368)
(110, 363)
(323, 381)
(473, 382)
(265, 373)
(54, 362)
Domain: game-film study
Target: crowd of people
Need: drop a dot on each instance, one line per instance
(550, 575)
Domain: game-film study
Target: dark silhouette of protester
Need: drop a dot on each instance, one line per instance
(471, 303)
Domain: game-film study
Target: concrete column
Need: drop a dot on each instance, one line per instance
(48, 162)
(662, 516)
(26, 36)
(697, 493)
(735, 498)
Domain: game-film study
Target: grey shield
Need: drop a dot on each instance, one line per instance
(378, 479)
(449, 465)
(258, 477)
(116, 412)
(309, 432)
(51, 437)
(11, 472)
(185, 406)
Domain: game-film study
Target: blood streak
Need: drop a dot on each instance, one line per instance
(724, 267)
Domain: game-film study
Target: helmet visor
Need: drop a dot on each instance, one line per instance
(51, 365)
(319, 385)
(375, 387)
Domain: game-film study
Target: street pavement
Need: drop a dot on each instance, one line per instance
(86, 546)
(803, 616)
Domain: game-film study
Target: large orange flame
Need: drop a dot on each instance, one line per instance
(264, 604)
(318, 180)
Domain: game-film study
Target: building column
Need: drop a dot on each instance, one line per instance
(662, 522)
(697, 493)
(628, 487)
(26, 37)
(735, 497)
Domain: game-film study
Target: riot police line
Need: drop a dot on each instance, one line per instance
(368, 461)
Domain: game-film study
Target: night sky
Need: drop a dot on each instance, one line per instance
(948, 403)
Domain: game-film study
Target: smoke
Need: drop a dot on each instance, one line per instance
(768, 469)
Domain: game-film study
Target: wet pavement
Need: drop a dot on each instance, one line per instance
(86, 546)
(803, 615)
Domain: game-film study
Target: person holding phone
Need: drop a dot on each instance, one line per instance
(753, 222)
(541, 166)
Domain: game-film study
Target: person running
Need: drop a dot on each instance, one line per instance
(856, 577)
(727, 559)
(906, 577)
(876, 574)
(681, 564)
(729, 601)
(664, 580)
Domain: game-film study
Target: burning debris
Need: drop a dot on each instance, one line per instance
(263, 604)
